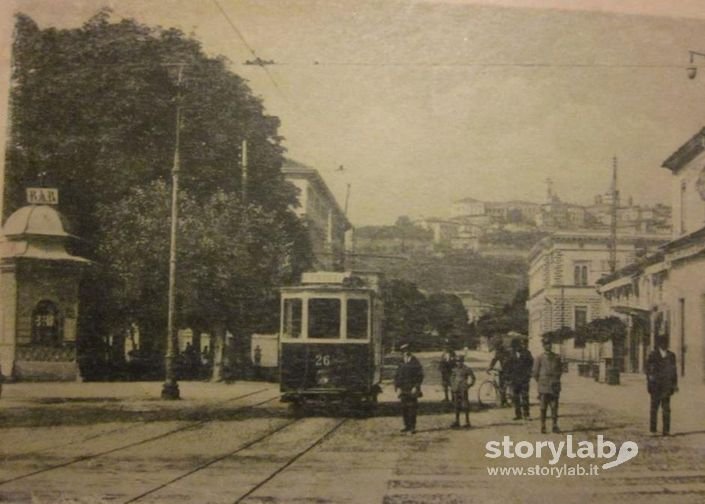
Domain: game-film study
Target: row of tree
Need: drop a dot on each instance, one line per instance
(427, 322)
(94, 114)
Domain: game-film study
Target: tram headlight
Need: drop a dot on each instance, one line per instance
(322, 378)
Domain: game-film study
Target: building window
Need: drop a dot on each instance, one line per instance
(580, 315)
(580, 274)
(46, 324)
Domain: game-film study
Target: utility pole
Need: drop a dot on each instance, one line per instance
(243, 161)
(170, 390)
(347, 198)
(613, 218)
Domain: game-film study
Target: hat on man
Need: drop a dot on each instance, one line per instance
(405, 347)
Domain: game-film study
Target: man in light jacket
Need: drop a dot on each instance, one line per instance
(547, 373)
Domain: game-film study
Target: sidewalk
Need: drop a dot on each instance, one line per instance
(42, 403)
(631, 399)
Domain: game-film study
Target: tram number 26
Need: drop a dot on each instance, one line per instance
(322, 360)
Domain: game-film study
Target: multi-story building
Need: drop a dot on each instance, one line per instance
(326, 221)
(497, 211)
(474, 306)
(563, 272)
(560, 215)
(641, 218)
(666, 294)
(467, 207)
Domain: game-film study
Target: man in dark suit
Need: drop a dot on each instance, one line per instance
(407, 383)
(662, 383)
(519, 368)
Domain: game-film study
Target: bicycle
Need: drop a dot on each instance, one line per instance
(489, 392)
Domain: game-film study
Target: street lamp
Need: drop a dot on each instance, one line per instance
(170, 389)
(692, 70)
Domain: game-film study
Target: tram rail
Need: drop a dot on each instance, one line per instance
(92, 456)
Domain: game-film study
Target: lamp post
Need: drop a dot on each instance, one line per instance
(170, 389)
(692, 70)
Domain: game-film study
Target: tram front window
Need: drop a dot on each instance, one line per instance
(324, 318)
(292, 318)
(357, 318)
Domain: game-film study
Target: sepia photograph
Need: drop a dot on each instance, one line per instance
(352, 251)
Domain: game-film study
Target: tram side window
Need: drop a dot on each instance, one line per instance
(357, 318)
(324, 318)
(292, 318)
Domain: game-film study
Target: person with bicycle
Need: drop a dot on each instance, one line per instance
(502, 356)
(547, 373)
(461, 379)
(519, 367)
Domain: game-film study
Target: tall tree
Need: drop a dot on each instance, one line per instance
(405, 314)
(94, 114)
(448, 317)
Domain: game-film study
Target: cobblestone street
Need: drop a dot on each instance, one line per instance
(238, 443)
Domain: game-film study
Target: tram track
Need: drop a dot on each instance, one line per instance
(291, 461)
(92, 456)
(249, 444)
(123, 429)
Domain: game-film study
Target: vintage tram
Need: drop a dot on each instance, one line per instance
(330, 344)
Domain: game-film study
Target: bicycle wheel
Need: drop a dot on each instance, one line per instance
(487, 394)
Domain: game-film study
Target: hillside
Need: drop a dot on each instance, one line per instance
(494, 280)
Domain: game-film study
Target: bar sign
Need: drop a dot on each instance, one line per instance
(42, 196)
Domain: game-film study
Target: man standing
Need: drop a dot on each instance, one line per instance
(662, 383)
(407, 383)
(258, 362)
(519, 368)
(547, 373)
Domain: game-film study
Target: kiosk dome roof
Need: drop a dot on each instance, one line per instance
(35, 220)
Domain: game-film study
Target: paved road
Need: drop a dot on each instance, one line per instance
(239, 444)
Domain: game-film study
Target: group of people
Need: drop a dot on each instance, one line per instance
(457, 379)
(518, 367)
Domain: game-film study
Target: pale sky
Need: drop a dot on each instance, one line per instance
(427, 102)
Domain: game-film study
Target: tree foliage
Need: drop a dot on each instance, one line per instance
(94, 114)
(510, 317)
(405, 314)
(448, 317)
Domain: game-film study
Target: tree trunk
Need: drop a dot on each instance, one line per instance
(218, 351)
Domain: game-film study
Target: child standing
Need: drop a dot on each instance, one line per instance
(461, 379)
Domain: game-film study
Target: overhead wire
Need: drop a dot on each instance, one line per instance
(249, 48)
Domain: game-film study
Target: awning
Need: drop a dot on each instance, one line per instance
(632, 311)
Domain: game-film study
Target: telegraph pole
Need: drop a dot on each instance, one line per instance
(243, 161)
(170, 390)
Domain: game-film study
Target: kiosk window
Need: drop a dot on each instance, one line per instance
(324, 318)
(357, 318)
(292, 318)
(45, 324)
